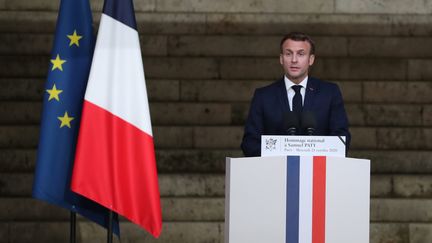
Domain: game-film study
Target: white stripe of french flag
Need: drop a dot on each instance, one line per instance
(115, 160)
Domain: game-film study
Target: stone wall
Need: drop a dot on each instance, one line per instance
(202, 60)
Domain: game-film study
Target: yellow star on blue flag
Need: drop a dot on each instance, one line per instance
(74, 38)
(65, 120)
(54, 93)
(57, 63)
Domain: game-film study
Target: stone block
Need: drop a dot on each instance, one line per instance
(193, 209)
(163, 90)
(22, 89)
(19, 136)
(28, 22)
(270, 24)
(142, 6)
(383, 7)
(271, 6)
(218, 137)
(356, 114)
(389, 233)
(381, 186)
(173, 137)
(363, 138)
(18, 209)
(393, 115)
(24, 66)
(193, 161)
(418, 69)
(332, 46)
(171, 23)
(206, 45)
(180, 68)
(351, 91)
(191, 185)
(190, 113)
(396, 161)
(4, 232)
(404, 138)
(13, 185)
(401, 210)
(20, 112)
(396, 47)
(32, 5)
(420, 233)
(220, 90)
(413, 186)
(359, 69)
(153, 45)
(21, 43)
(398, 92)
(39, 232)
(427, 115)
(251, 68)
(17, 160)
(193, 232)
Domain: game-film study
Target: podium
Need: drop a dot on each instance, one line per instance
(297, 199)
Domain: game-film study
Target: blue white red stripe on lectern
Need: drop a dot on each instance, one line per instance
(292, 204)
(306, 199)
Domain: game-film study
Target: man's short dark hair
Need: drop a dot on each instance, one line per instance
(298, 36)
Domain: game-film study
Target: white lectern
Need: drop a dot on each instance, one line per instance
(297, 199)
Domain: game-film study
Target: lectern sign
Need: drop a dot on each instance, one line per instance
(274, 145)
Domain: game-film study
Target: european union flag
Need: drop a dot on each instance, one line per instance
(65, 86)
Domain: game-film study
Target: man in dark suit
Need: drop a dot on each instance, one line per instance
(296, 92)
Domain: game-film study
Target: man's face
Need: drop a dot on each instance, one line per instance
(296, 59)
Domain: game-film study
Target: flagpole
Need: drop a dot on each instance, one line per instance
(110, 223)
(72, 227)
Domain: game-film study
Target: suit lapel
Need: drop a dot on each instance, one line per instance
(283, 96)
(311, 90)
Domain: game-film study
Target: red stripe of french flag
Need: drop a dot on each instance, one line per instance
(319, 199)
(115, 159)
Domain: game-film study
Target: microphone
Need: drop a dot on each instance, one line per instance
(308, 122)
(291, 123)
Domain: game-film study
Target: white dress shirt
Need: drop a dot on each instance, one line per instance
(291, 92)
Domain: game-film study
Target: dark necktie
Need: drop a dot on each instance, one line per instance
(297, 102)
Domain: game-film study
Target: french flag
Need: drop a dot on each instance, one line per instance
(297, 199)
(115, 162)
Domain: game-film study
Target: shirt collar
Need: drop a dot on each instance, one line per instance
(289, 83)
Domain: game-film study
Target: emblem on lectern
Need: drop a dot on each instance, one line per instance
(270, 144)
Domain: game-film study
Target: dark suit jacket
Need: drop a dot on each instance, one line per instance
(270, 103)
